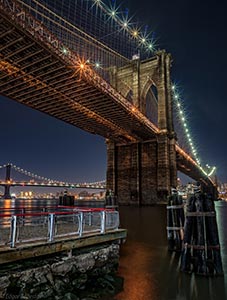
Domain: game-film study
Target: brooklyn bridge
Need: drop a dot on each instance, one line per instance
(107, 80)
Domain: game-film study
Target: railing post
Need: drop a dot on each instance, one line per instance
(13, 231)
(81, 220)
(103, 222)
(89, 218)
(51, 227)
(23, 213)
(115, 213)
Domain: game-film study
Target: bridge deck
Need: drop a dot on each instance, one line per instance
(39, 75)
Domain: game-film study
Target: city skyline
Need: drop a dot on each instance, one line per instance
(188, 31)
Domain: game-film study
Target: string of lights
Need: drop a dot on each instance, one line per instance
(101, 33)
(183, 119)
(125, 23)
(35, 176)
(3, 166)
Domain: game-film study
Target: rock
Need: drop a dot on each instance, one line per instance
(63, 277)
(85, 262)
(4, 282)
(79, 281)
(45, 294)
(35, 290)
(50, 278)
(59, 285)
(102, 257)
(62, 267)
(27, 276)
(70, 296)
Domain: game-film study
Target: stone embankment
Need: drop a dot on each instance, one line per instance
(80, 275)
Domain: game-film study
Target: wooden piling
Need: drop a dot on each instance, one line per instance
(201, 250)
(175, 222)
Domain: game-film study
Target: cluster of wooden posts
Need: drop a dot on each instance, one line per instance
(192, 231)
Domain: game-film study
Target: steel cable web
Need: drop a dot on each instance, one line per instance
(89, 29)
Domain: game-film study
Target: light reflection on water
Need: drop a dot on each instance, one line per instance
(150, 272)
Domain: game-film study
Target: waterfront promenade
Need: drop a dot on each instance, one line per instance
(46, 251)
(58, 228)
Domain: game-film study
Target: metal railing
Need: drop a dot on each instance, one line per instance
(46, 227)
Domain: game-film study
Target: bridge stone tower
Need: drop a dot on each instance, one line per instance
(7, 179)
(142, 173)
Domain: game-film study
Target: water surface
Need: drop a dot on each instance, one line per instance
(150, 272)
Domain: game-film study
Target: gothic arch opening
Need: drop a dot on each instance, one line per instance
(151, 102)
(129, 96)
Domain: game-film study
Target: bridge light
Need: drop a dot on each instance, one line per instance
(125, 24)
(143, 40)
(64, 50)
(150, 46)
(97, 65)
(135, 33)
(173, 87)
(82, 66)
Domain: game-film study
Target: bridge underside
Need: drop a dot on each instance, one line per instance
(32, 74)
(191, 170)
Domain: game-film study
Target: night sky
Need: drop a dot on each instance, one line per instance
(195, 33)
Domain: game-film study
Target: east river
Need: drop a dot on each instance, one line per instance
(148, 270)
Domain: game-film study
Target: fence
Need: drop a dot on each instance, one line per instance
(21, 228)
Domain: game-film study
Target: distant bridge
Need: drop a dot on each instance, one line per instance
(52, 184)
(40, 181)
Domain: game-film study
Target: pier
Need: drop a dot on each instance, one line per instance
(41, 246)
(32, 234)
